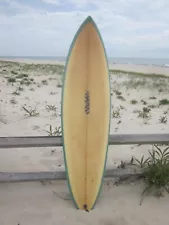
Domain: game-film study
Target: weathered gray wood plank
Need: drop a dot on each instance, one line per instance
(31, 176)
(6, 177)
(120, 139)
(30, 141)
(115, 139)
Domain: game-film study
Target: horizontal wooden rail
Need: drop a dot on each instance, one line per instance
(61, 175)
(49, 141)
(30, 141)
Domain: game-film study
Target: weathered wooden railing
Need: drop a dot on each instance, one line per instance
(49, 141)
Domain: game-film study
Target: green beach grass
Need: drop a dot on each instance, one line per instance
(150, 75)
(59, 69)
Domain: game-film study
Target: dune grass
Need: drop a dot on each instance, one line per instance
(155, 171)
(150, 75)
(59, 69)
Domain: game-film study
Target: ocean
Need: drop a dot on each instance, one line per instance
(163, 62)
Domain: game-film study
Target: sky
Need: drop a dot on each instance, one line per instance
(129, 28)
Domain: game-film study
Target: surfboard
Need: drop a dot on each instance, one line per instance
(85, 114)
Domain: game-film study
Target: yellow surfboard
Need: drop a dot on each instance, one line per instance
(86, 115)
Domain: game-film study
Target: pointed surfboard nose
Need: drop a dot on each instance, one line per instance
(84, 24)
(89, 19)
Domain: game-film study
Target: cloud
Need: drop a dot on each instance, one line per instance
(52, 2)
(47, 27)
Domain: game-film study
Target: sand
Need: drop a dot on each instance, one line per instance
(38, 204)
(147, 69)
(50, 203)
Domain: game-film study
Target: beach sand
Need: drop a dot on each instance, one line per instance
(147, 69)
(39, 87)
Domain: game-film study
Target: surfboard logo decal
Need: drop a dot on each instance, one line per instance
(87, 102)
